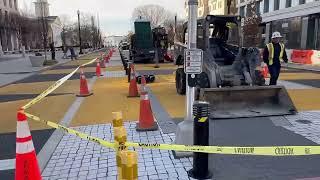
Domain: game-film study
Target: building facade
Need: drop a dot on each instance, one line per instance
(213, 7)
(297, 20)
(114, 40)
(8, 29)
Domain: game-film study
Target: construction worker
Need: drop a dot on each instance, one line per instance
(273, 54)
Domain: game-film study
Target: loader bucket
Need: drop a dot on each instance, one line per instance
(248, 101)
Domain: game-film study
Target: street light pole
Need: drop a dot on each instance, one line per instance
(80, 41)
(184, 133)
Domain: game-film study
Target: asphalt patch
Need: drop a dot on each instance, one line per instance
(309, 82)
(156, 72)
(17, 97)
(8, 142)
(52, 77)
(258, 132)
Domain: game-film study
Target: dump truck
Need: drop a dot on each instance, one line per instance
(231, 79)
(141, 45)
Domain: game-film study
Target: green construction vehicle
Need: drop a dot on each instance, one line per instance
(141, 45)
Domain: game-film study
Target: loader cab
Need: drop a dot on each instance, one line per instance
(222, 38)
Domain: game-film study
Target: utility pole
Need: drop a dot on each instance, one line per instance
(99, 35)
(44, 30)
(184, 134)
(79, 26)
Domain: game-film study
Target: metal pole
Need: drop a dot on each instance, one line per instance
(44, 31)
(80, 41)
(192, 44)
(175, 28)
(184, 132)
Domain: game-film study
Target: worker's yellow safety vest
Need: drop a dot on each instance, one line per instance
(271, 52)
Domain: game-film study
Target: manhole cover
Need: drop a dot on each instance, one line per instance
(304, 121)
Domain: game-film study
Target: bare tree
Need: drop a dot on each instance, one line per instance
(157, 15)
(251, 29)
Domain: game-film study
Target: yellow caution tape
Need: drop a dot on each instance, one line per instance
(72, 131)
(261, 151)
(54, 87)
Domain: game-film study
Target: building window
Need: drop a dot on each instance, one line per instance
(266, 6)
(258, 8)
(242, 11)
(276, 4)
(5, 2)
(302, 1)
(16, 4)
(10, 3)
(288, 3)
(219, 4)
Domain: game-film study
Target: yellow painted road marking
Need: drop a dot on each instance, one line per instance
(110, 95)
(296, 76)
(305, 99)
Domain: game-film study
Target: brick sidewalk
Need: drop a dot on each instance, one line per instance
(79, 159)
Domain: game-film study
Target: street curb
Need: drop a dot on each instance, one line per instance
(299, 68)
(44, 69)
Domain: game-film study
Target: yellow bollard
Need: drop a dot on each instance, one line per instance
(120, 137)
(117, 119)
(129, 160)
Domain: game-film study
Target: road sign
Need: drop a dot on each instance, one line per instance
(193, 61)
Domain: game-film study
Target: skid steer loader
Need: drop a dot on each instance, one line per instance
(231, 79)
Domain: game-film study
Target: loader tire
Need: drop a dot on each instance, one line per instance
(180, 81)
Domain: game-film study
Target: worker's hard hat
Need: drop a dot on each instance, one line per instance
(276, 35)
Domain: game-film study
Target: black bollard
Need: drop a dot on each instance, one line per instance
(129, 71)
(200, 168)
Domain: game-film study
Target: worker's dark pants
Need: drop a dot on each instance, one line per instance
(274, 71)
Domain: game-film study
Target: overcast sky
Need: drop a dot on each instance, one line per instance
(115, 16)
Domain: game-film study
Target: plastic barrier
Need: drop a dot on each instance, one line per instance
(302, 56)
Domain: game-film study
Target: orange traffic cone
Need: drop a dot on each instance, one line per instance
(146, 119)
(133, 87)
(98, 69)
(84, 90)
(26, 159)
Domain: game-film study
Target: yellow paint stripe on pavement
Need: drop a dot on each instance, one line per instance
(52, 107)
(165, 90)
(110, 95)
(151, 66)
(305, 99)
(296, 76)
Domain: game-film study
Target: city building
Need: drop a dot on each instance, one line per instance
(297, 20)
(53, 23)
(114, 40)
(8, 29)
(214, 7)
